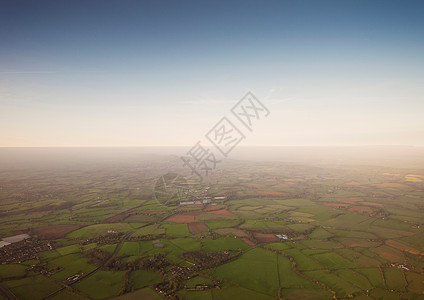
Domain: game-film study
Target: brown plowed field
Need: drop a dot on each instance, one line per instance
(361, 210)
(54, 232)
(197, 227)
(213, 207)
(265, 237)
(372, 204)
(181, 218)
(247, 241)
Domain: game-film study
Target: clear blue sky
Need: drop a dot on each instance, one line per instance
(138, 73)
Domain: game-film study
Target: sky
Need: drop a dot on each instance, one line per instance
(163, 73)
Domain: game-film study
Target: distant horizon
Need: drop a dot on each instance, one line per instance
(240, 146)
(399, 156)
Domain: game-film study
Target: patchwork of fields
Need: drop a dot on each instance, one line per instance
(273, 231)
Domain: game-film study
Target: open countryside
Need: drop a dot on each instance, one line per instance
(271, 230)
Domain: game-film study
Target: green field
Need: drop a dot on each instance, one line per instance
(36, 287)
(142, 278)
(223, 243)
(339, 285)
(333, 261)
(256, 270)
(11, 271)
(70, 265)
(98, 229)
(102, 284)
(176, 230)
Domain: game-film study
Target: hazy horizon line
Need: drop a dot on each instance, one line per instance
(240, 146)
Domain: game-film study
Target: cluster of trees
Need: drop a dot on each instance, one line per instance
(207, 260)
(117, 265)
(96, 256)
(99, 258)
(231, 195)
(148, 237)
(110, 238)
(156, 263)
(169, 288)
(126, 288)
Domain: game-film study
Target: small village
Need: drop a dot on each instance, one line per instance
(25, 249)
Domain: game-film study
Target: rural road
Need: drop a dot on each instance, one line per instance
(7, 293)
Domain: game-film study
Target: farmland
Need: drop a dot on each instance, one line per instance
(267, 230)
